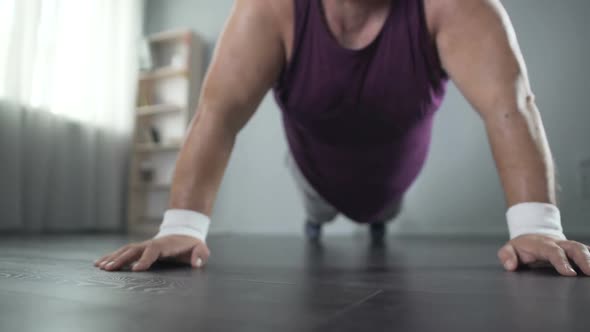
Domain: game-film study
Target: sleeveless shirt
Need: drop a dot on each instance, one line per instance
(358, 122)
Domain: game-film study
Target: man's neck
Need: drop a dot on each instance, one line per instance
(355, 23)
(354, 15)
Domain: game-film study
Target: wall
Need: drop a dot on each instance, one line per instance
(459, 191)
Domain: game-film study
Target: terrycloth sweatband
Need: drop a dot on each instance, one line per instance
(534, 218)
(184, 222)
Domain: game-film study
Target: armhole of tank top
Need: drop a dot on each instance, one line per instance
(429, 45)
(299, 10)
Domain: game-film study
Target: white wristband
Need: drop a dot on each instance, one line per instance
(534, 218)
(184, 222)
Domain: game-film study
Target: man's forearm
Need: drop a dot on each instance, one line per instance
(522, 154)
(202, 163)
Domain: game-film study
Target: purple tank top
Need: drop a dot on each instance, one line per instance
(359, 122)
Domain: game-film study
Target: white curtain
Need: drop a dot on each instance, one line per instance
(68, 72)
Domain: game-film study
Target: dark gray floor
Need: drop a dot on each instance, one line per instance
(282, 284)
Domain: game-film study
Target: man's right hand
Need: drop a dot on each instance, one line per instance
(142, 255)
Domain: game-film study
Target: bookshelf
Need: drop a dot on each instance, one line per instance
(167, 96)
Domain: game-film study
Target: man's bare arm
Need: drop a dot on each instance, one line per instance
(248, 60)
(479, 49)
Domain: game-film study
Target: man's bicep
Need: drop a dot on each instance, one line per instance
(479, 50)
(246, 63)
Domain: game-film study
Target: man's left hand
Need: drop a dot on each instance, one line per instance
(532, 249)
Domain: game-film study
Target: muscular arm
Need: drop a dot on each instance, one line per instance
(479, 50)
(247, 62)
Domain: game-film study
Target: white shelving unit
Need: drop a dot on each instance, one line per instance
(151, 110)
(166, 100)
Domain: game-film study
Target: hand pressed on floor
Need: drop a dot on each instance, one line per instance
(532, 248)
(142, 255)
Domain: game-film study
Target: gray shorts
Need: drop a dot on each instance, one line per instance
(317, 209)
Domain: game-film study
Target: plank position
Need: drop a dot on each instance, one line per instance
(359, 82)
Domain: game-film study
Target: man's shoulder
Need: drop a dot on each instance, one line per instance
(441, 12)
(279, 13)
(278, 9)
